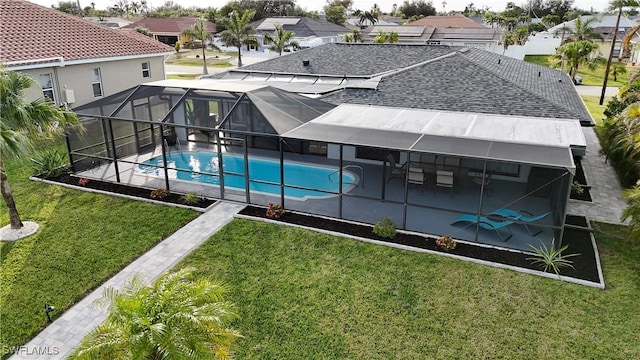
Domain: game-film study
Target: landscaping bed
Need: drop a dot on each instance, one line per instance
(123, 189)
(579, 242)
(581, 179)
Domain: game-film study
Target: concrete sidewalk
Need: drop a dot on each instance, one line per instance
(58, 340)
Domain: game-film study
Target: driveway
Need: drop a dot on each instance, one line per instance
(596, 90)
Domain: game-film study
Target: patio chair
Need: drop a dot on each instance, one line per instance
(486, 224)
(444, 179)
(396, 169)
(522, 216)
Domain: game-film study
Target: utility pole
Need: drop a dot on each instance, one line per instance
(613, 45)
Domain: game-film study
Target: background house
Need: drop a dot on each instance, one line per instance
(604, 26)
(308, 32)
(100, 61)
(169, 30)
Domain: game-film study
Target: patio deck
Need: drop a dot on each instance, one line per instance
(430, 210)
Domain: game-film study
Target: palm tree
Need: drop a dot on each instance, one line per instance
(582, 30)
(21, 122)
(238, 31)
(577, 53)
(618, 69)
(177, 317)
(353, 36)
(280, 39)
(199, 32)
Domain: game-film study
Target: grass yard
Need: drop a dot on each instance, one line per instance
(594, 107)
(84, 239)
(589, 77)
(305, 295)
(188, 58)
(182, 76)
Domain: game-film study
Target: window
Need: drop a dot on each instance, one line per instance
(96, 82)
(146, 70)
(46, 83)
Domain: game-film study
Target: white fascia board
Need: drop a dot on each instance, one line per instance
(86, 61)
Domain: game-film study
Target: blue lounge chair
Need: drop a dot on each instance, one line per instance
(522, 216)
(486, 224)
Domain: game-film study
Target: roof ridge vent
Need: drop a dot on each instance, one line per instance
(305, 62)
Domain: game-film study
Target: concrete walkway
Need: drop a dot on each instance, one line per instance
(606, 192)
(58, 340)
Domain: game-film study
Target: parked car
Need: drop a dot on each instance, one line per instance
(577, 80)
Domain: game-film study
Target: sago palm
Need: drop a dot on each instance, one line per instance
(21, 122)
(199, 31)
(177, 317)
(238, 32)
(280, 40)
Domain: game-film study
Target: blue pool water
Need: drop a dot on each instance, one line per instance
(202, 167)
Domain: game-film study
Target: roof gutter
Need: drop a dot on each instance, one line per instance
(60, 62)
(35, 63)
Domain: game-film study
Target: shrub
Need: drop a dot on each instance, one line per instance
(190, 198)
(576, 189)
(385, 228)
(446, 243)
(274, 211)
(50, 163)
(177, 46)
(159, 194)
(551, 258)
(83, 181)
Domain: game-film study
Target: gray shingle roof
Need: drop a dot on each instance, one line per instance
(351, 59)
(471, 80)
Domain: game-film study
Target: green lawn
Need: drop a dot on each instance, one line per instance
(186, 58)
(594, 107)
(305, 295)
(84, 239)
(589, 77)
(183, 76)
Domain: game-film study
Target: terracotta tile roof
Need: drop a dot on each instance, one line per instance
(33, 32)
(455, 21)
(169, 25)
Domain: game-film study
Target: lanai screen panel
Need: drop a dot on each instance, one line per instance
(354, 136)
(104, 106)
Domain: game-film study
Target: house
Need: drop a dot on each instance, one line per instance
(456, 21)
(169, 30)
(100, 61)
(605, 27)
(307, 32)
(358, 132)
(356, 23)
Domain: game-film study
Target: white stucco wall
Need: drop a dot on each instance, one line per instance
(116, 76)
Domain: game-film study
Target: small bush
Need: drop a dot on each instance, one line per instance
(274, 211)
(446, 243)
(159, 194)
(385, 228)
(576, 189)
(190, 198)
(551, 258)
(177, 46)
(83, 181)
(50, 163)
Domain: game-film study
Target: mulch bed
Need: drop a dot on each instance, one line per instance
(173, 198)
(582, 180)
(579, 241)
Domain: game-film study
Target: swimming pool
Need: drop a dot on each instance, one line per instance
(202, 167)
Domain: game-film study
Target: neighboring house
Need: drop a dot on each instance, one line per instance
(605, 27)
(356, 23)
(482, 38)
(112, 22)
(169, 30)
(307, 32)
(451, 21)
(75, 61)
